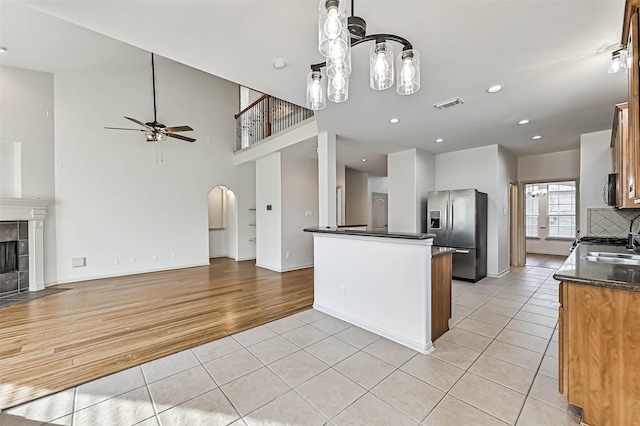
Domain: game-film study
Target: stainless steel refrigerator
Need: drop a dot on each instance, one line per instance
(458, 218)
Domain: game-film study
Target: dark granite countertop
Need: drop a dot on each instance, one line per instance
(437, 251)
(368, 233)
(576, 269)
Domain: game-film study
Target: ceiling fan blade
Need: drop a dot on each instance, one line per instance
(122, 128)
(184, 138)
(178, 129)
(137, 122)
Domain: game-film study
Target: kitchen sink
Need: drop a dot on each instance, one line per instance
(614, 258)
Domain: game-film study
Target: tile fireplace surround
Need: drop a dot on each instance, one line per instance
(33, 211)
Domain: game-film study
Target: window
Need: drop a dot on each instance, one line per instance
(532, 210)
(561, 211)
(550, 210)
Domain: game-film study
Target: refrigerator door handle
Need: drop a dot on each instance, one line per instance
(446, 215)
(452, 221)
(462, 251)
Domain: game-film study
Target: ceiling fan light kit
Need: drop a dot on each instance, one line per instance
(337, 34)
(153, 130)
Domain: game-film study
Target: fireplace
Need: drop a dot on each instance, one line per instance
(21, 245)
(14, 257)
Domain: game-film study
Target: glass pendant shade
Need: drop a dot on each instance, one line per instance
(408, 72)
(338, 88)
(340, 65)
(618, 61)
(332, 23)
(316, 97)
(381, 66)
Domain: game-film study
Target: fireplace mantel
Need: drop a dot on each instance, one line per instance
(34, 211)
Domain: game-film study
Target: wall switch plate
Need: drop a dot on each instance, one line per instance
(343, 290)
(133, 259)
(173, 255)
(79, 262)
(288, 255)
(308, 213)
(154, 257)
(116, 261)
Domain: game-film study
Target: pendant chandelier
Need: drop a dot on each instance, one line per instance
(337, 34)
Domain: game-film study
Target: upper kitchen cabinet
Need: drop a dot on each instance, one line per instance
(630, 37)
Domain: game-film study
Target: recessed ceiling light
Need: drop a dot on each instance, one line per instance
(439, 140)
(394, 121)
(524, 122)
(279, 64)
(364, 159)
(3, 49)
(495, 88)
(536, 137)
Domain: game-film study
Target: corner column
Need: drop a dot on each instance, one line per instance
(327, 179)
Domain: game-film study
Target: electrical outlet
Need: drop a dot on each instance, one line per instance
(78, 262)
(343, 290)
(173, 255)
(288, 254)
(116, 261)
(133, 259)
(308, 213)
(154, 257)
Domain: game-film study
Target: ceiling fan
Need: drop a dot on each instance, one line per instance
(154, 131)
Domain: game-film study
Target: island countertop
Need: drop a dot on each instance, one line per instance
(367, 233)
(577, 269)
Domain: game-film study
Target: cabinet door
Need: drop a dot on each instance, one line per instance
(634, 111)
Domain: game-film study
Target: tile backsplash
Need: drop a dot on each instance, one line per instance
(606, 222)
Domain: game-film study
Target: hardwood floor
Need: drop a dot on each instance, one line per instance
(103, 326)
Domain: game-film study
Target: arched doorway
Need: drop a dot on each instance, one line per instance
(223, 222)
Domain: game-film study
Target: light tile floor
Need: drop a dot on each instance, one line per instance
(496, 366)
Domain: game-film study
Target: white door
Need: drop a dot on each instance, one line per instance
(379, 211)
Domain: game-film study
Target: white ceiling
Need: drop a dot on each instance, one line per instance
(545, 53)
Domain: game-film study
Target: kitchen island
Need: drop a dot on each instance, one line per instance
(599, 335)
(379, 281)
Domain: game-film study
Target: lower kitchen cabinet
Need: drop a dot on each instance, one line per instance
(441, 276)
(599, 352)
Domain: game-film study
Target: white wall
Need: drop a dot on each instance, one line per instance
(299, 195)
(411, 177)
(113, 199)
(595, 166)
(25, 98)
(402, 212)
(341, 182)
(245, 192)
(269, 222)
(356, 197)
(425, 182)
(563, 165)
(475, 168)
(507, 172)
(232, 224)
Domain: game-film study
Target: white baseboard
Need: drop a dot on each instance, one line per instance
(295, 268)
(242, 259)
(217, 256)
(124, 274)
(499, 273)
(425, 349)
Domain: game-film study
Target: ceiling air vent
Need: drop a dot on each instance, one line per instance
(448, 104)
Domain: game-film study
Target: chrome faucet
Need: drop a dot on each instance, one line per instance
(631, 242)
